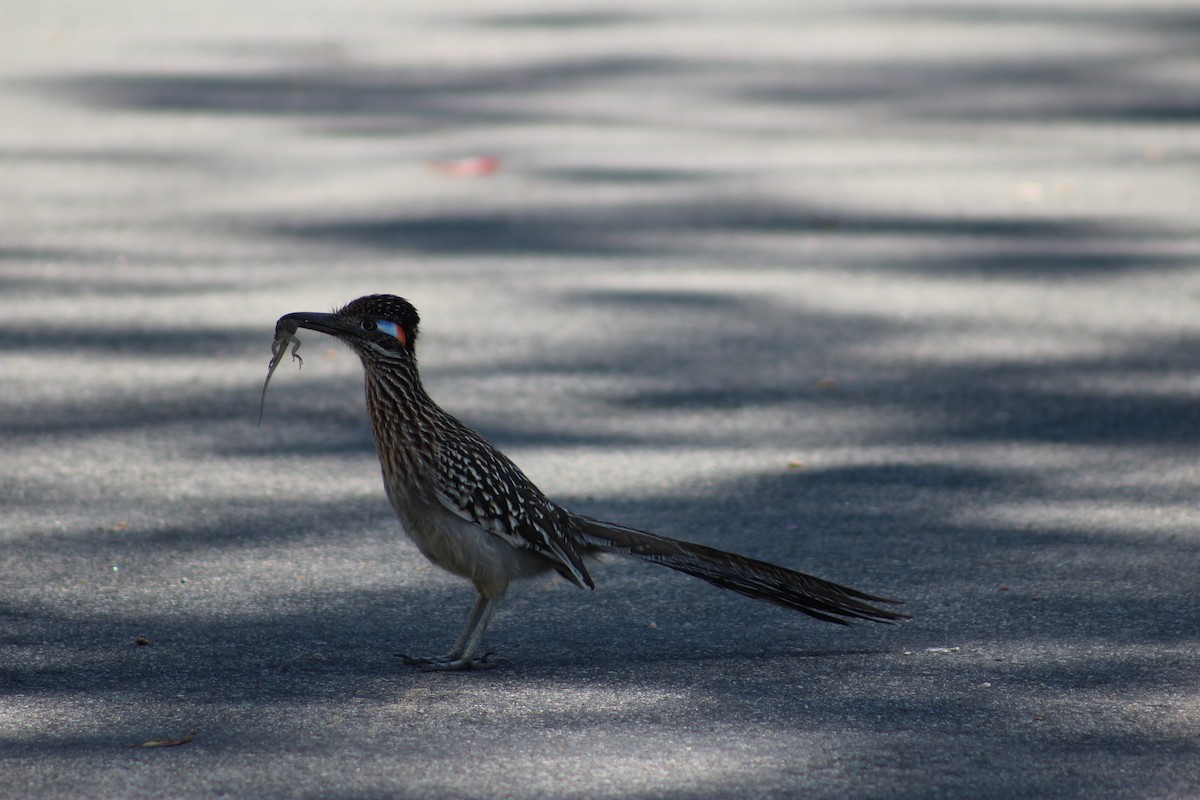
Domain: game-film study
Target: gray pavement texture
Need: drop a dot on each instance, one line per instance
(902, 294)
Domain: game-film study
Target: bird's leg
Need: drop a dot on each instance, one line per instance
(464, 647)
(480, 626)
(468, 628)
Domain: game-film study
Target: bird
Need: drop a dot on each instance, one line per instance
(472, 511)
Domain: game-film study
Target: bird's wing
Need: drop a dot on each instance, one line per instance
(478, 483)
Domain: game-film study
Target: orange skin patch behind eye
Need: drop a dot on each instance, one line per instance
(393, 330)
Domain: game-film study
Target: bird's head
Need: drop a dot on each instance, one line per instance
(378, 325)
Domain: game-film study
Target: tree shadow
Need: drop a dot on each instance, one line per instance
(291, 640)
(1069, 611)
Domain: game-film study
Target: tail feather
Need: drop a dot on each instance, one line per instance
(822, 599)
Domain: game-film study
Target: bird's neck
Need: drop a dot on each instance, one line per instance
(404, 419)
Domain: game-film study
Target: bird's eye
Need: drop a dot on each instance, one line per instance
(369, 325)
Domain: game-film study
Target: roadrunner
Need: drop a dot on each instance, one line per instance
(471, 510)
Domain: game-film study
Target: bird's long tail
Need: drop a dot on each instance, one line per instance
(818, 598)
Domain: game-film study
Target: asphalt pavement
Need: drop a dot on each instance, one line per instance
(905, 295)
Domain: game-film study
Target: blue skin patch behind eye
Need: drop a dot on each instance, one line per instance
(387, 327)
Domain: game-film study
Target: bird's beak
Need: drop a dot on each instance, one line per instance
(315, 321)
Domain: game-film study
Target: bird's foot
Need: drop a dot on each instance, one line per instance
(449, 663)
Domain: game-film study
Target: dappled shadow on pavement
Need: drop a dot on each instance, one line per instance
(1037, 612)
(348, 99)
(1046, 643)
(1037, 658)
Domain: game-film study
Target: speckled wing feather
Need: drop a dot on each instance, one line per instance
(479, 484)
